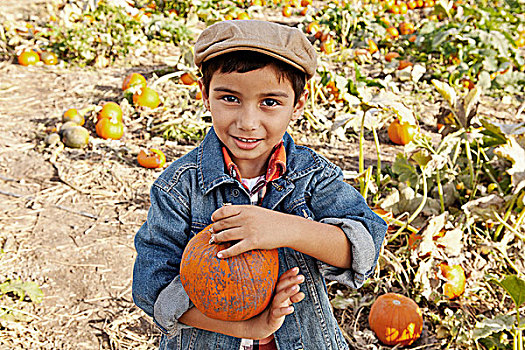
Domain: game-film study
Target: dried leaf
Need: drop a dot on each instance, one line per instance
(417, 72)
(421, 277)
(483, 208)
(388, 100)
(515, 152)
(341, 302)
(427, 245)
(451, 242)
(471, 100)
(448, 92)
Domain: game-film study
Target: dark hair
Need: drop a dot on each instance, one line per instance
(246, 61)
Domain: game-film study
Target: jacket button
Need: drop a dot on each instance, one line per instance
(277, 186)
(236, 192)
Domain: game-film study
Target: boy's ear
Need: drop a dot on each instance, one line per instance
(299, 106)
(205, 99)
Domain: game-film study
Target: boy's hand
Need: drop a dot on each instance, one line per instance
(254, 227)
(286, 293)
(262, 325)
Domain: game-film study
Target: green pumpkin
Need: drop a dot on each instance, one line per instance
(75, 136)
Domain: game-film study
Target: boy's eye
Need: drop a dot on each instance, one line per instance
(270, 102)
(230, 98)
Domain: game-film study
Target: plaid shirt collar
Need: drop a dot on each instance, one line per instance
(276, 166)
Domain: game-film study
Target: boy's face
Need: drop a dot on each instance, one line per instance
(250, 113)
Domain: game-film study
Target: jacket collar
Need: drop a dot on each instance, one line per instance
(211, 170)
(276, 165)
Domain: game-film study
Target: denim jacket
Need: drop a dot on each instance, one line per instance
(182, 200)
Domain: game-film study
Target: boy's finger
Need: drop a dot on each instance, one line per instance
(225, 212)
(282, 298)
(297, 297)
(289, 282)
(288, 273)
(234, 250)
(224, 224)
(226, 235)
(282, 311)
(291, 272)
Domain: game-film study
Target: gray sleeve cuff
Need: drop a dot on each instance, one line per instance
(363, 254)
(169, 307)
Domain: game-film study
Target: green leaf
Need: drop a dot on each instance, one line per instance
(442, 37)
(488, 326)
(494, 134)
(359, 77)
(421, 158)
(342, 303)
(23, 289)
(515, 287)
(444, 6)
(404, 169)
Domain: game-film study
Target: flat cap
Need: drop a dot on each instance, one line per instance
(282, 42)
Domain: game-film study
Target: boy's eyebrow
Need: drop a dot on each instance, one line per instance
(267, 94)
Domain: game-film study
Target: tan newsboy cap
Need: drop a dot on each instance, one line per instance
(283, 42)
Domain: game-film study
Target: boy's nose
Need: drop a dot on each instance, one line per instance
(248, 120)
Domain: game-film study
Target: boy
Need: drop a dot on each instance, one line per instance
(280, 196)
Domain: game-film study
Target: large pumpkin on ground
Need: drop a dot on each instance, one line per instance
(231, 289)
(396, 319)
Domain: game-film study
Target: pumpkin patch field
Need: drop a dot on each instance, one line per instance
(421, 103)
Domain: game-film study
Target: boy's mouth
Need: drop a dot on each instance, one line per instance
(242, 139)
(246, 143)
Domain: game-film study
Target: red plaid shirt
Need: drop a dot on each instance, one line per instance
(276, 168)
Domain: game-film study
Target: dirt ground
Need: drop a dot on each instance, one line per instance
(68, 218)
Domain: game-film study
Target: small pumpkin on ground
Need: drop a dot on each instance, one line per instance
(28, 58)
(188, 79)
(49, 58)
(109, 128)
(372, 46)
(404, 64)
(391, 55)
(73, 116)
(146, 98)
(110, 110)
(66, 126)
(401, 133)
(232, 289)
(134, 80)
(396, 319)
(52, 139)
(75, 136)
(154, 158)
(455, 276)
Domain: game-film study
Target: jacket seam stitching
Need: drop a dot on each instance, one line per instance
(317, 301)
(178, 197)
(175, 178)
(296, 203)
